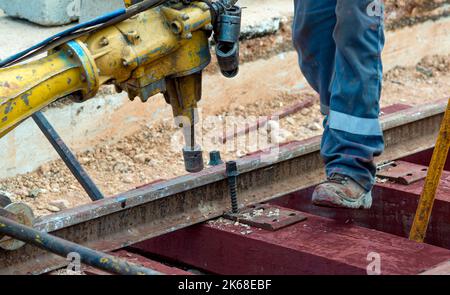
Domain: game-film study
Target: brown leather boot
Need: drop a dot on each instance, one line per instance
(340, 191)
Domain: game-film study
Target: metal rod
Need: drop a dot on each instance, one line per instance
(67, 156)
(231, 170)
(426, 201)
(63, 247)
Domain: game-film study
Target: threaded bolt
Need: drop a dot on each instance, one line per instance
(231, 169)
(104, 41)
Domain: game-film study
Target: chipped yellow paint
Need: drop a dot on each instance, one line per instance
(41, 83)
(37, 238)
(104, 260)
(128, 3)
(2, 225)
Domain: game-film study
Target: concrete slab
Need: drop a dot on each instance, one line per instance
(43, 12)
(264, 16)
(17, 34)
(90, 9)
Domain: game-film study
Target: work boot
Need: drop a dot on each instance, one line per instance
(340, 191)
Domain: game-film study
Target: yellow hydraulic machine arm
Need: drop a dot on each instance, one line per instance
(160, 50)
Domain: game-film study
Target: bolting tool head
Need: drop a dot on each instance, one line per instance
(193, 159)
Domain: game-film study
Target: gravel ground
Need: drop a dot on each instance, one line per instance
(148, 155)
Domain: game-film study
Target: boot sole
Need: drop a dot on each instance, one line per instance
(365, 202)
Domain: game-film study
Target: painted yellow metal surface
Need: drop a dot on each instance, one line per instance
(25, 89)
(139, 55)
(426, 201)
(128, 3)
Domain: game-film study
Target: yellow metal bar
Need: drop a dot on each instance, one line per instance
(426, 201)
(128, 3)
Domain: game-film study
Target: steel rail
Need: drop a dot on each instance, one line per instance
(156, 209)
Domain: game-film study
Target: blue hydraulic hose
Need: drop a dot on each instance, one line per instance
(96, 21)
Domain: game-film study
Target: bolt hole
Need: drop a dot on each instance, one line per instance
(123, 204)
(292, 214)
(175, 27)
(425, 169)
(409, 174)
(275, 220)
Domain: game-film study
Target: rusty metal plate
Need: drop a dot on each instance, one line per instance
(403, 172)
(268, 217)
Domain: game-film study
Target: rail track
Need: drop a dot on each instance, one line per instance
(166, 221)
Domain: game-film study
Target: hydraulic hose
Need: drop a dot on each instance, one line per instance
(98, 23)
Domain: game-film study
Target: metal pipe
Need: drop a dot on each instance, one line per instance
(67, 156)
(63, 247)
(232, 173)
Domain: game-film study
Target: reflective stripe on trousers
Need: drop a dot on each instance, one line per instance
(339, 44)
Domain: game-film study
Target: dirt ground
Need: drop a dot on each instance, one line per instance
(152, 153)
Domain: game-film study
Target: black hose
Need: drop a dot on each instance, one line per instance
(63, 247)
(130, 12)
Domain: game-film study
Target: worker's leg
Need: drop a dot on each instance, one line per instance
(313, 27)
(353, 135)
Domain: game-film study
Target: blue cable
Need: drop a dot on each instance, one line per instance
(91, 23)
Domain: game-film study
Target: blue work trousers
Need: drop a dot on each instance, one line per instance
(339, 43)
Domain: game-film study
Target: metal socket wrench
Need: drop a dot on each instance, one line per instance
(193, 159)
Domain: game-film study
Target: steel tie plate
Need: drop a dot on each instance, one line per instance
(265, 216)
(403, 172)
